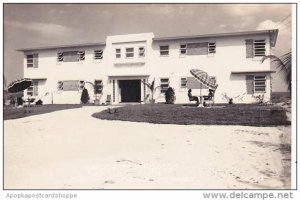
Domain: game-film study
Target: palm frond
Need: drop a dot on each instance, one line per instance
(284, 63)
(147, 84)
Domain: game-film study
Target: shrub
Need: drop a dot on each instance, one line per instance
(259, 98)
(39, 102)
(85, 97)
(170, 96)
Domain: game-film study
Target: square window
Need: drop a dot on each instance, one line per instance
(81, 55)
(118, 53)
(183, 82)
(98, 54)
(164, 50)
(60, 57)
(32, 60)
(129, 52)
(164, 84)
(183, 49)
(211, 47)
(141, 51)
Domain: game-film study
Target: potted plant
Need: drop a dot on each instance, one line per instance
(152, 88)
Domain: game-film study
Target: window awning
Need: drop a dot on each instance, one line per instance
(128, 76)
(252, 72)
(38, 78)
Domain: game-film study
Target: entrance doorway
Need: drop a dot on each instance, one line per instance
(130, 90)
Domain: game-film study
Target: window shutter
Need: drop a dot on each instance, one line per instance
(197, 48)
(70, 56)
(193, 83)
(35, 87)
(35, 61)
(250, 84)
(249, 48)
(70, 85)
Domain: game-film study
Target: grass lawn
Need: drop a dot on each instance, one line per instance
(236, 114)
(14, 113)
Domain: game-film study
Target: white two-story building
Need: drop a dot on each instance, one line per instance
(123, 63)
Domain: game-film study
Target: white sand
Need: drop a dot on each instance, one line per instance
(69, 149)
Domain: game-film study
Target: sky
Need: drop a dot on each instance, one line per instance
(34, 25)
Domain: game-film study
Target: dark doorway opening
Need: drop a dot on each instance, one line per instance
(130, 90)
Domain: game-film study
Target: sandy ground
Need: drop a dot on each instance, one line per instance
(69, 149)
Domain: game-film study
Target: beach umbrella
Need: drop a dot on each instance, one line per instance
(204, 79)
(19, 85)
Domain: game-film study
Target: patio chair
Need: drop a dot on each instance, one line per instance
(209, 99)
(193, 98)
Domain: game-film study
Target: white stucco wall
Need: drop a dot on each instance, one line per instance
(230, 56)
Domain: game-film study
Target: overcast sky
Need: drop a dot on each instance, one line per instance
(32, 25)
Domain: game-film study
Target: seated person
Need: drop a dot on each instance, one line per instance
(208, 98)
(211, 93)
(192, 98)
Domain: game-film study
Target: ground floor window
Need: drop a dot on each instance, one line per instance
(259, 84)
(70, 85)
(183, 82)
(164, 84)
(81, 85)
(33, 89)
(98, 86)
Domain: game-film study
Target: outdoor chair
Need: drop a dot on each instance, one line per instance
(193, 98)
(209, 99)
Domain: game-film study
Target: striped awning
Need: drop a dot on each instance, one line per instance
(204, 78)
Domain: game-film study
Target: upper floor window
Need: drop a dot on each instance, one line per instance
(164, 84)
(32, 60)
(255, 48)
(129, 52)
(60, 57)
(98, 54)
(183, 49)
(259, 47)
(259, 84)
(81, 55)
(164, 50)
(70, 56)
(197, 48)
(118, 53)
(141, 51)
(211, 47)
